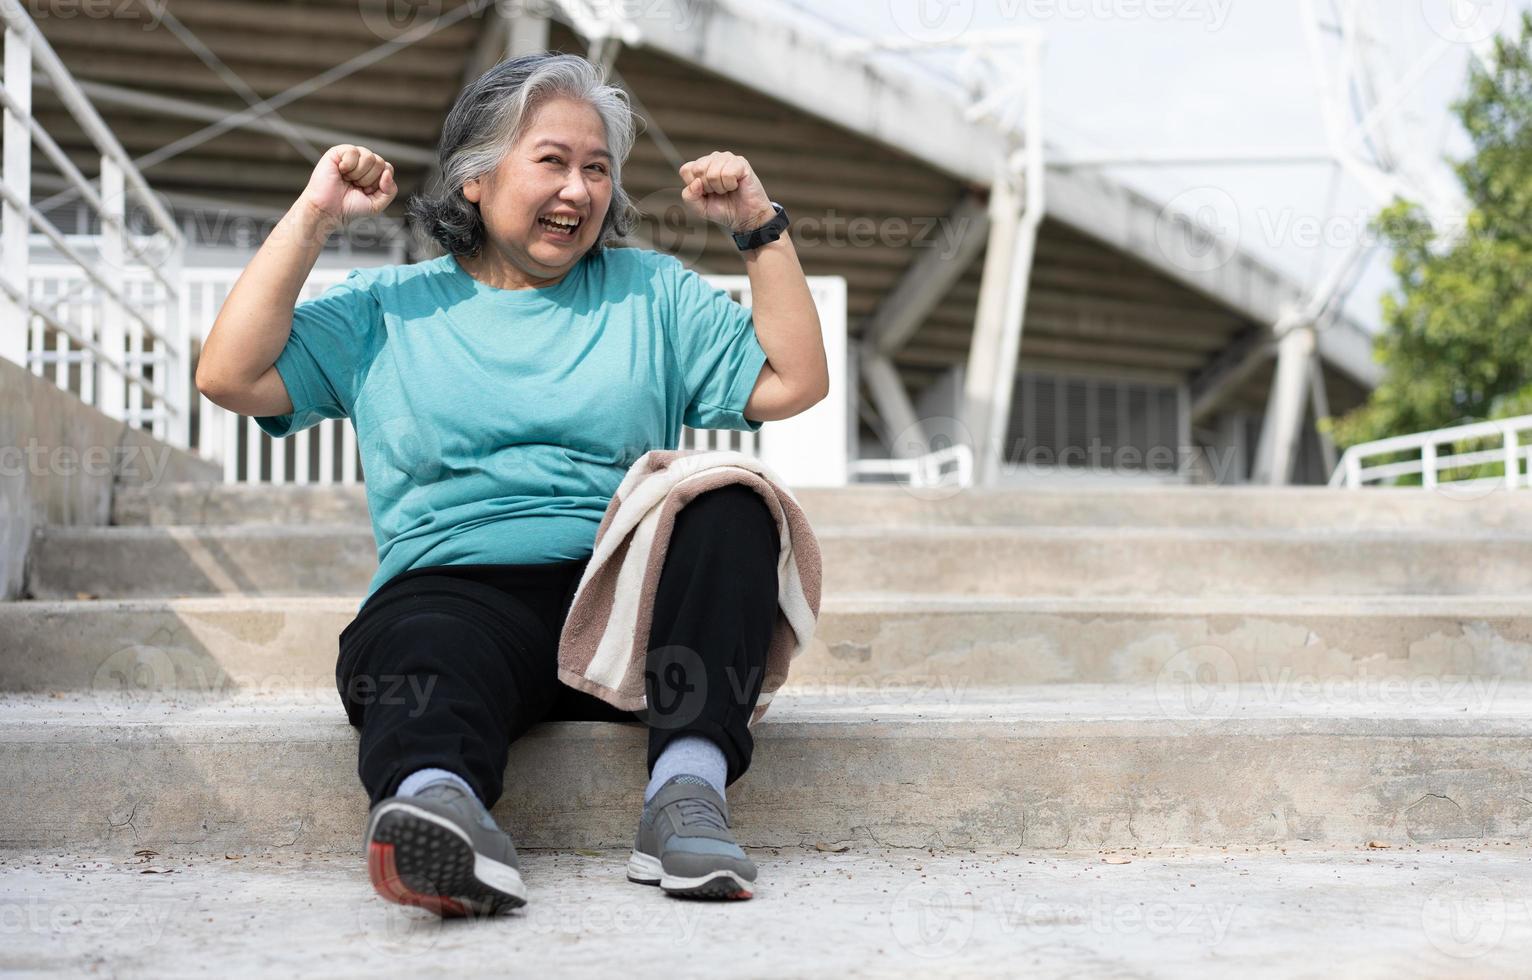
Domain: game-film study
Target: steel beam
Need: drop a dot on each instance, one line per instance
(928, 279)
(1233, 366)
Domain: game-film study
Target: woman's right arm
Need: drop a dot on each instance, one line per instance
(237, 367)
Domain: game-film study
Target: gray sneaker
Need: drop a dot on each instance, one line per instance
(441, 850)
(684, 844)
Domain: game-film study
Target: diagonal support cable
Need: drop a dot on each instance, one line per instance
(231, 78)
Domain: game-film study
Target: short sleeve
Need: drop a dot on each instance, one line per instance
(330, 339)
(720, 357)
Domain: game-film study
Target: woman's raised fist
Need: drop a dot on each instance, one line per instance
(351, 182)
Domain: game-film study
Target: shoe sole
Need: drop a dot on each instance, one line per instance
(645, 869)
(416, 857)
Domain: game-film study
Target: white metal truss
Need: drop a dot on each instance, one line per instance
(1005, 94)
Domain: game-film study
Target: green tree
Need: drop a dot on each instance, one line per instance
(1457, 339)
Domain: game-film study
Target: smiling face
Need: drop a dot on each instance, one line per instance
(557, 175)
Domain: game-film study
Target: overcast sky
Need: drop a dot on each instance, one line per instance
(1191, 75)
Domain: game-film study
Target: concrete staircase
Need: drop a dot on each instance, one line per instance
(1158, 667)
(1148, 733)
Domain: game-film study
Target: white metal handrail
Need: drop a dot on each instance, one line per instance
(922, 471)
(106, 326)
(1353, 471)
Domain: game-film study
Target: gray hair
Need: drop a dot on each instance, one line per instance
(490, 115)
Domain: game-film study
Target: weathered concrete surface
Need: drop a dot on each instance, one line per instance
(340, 560)
(1046, 767)
(275, 644)
(1300, 508)
(60, 461)
(1413, 912)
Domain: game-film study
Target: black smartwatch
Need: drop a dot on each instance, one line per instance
(765, 234)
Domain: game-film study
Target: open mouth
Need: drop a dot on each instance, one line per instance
(559, 226)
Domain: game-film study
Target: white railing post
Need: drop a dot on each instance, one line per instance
(114, 316)
(177, 386)
(17, 177)
(1353, 471)
(1428, 465)
(1512, 460)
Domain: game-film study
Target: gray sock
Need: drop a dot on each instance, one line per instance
(696, 755)
(417, 780)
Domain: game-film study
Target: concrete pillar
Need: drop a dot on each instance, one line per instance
(1285, 407)
(528, 31)
(983, 375)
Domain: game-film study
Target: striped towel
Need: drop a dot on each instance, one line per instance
(605, 640)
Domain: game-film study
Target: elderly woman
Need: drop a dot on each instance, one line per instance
(500, 393)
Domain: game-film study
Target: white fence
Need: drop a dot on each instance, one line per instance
(113, 308)
(807, 450)
(1472, 450)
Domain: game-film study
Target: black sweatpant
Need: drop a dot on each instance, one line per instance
(445, 666)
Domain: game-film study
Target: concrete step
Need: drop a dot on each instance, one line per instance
(1288, 507)
(869, 912)
(1045, 767)
(340, 559)
(222, 643)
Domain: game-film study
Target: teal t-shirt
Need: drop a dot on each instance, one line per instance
(495, 425)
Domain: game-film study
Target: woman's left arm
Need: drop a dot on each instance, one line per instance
(721, 187)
